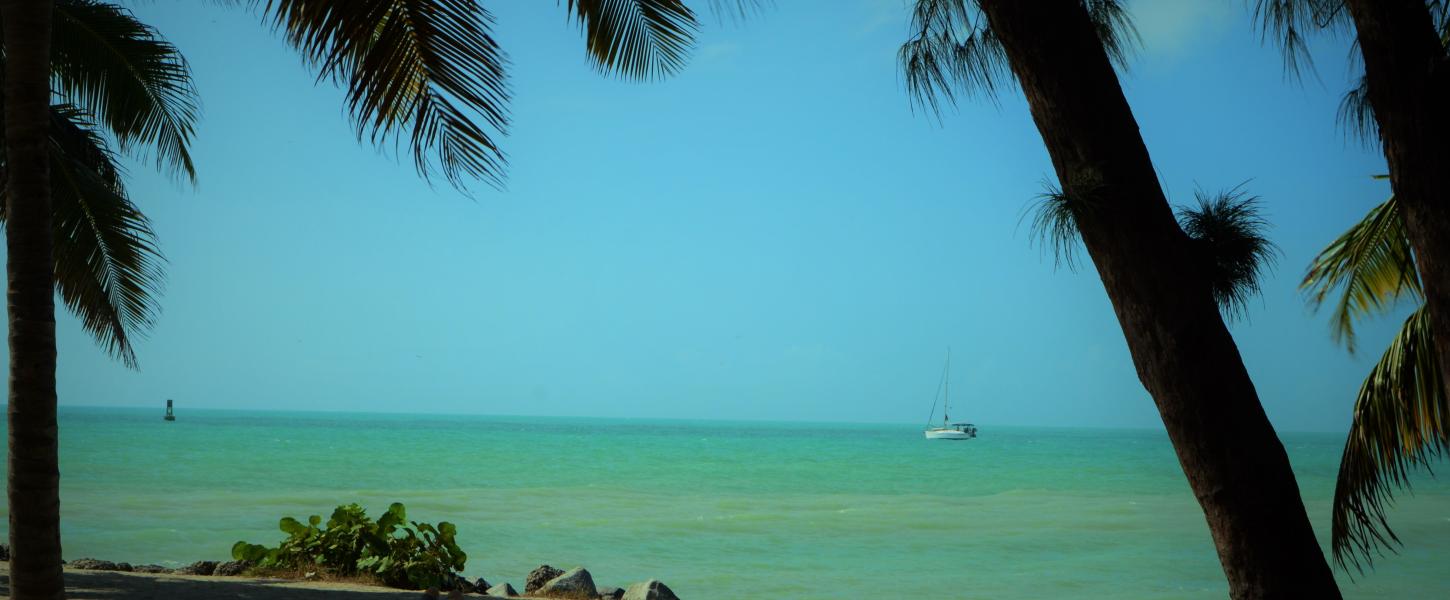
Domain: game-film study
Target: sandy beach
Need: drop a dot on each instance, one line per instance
(113, 585)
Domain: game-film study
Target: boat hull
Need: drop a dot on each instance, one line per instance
(947, 434)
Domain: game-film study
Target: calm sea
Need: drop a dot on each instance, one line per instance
(714, 509)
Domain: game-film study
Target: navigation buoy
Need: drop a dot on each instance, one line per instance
(169, 416)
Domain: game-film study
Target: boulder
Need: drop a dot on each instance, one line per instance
(431, 593)
(311, 576)
(91, 564)
(611, 593)
(502, 590)
(575, 584)
(538, 577)
(653, 589)
(480, 585)
(150, 569)
(200, 567)
(454, 581)
(4, 552)
(232, 568)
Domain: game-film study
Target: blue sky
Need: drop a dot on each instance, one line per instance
(772, 234)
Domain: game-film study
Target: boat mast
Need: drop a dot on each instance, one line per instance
(946, 406)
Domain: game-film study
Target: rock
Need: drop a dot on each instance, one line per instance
(4, 552)
(150, 569)
(91, 564)
(462, 584)
(480, 585)
(540, 576)
(431, 593)
(653, 589)
(123, 567)
(310, 576)
(232, 568)
(455, 594)
(609, 593)
(574, 584)
(200, 567)
(502, 590)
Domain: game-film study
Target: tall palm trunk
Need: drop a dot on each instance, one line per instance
(34, 473)
(1408, 74)
(1184, 354)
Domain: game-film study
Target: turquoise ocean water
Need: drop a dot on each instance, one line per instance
(715, 509)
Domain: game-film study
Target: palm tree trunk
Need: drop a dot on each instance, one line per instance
(1408, 73)
(34, 473)
(1183, 352)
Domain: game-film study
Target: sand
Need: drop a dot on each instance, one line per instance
(112, 585)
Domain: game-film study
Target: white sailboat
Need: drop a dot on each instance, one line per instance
(948, 430)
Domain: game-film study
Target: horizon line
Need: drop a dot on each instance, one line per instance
(1156, 428)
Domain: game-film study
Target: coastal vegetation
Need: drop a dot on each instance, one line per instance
(392, 549)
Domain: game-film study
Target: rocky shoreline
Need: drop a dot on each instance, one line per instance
(543, 582)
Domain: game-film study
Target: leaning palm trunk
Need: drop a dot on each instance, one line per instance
(1407, 72)
(34, 473)
(1183, 352)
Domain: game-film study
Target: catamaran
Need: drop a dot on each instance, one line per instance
(948, 430)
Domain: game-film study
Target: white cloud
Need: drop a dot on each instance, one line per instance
(718, 51)
(1169, 27)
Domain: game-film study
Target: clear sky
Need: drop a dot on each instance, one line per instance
(772, 234)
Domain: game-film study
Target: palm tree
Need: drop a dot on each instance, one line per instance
(117, 76)
(1405, 48)
(426, 73)
(1401, 417)
(33, 475)
(1160, 282)
(111, 72)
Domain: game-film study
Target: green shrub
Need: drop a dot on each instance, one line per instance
(398, 552)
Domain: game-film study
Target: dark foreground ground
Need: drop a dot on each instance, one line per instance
(112, 585)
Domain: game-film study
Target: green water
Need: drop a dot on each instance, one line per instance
(715, 509)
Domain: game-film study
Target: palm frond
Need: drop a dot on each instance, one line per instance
(108, 268)
(419, 70)
(1115, 28)
(1054, 219)
(1440, 15)
(638, 39)
(1356, 112)
(136, 84)
(953, 48)
(1287, 22)
(1229, 233)
(1371, 267)
(1054, 226)
(1401, 422)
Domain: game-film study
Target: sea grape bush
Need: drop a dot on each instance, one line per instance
(399, 552)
